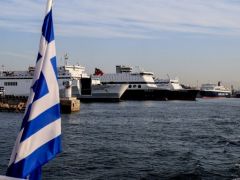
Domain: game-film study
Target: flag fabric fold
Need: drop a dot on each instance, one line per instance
(39, 139)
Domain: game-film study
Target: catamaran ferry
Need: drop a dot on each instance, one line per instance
(141, 84)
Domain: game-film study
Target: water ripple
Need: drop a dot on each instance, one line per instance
(142, 140)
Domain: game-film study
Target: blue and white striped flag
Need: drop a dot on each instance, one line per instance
(39, 138)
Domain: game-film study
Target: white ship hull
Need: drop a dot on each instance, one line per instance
(105, 93)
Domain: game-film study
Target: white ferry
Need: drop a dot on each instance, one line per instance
(141, 84)
(214, 90)
(176, 90)
(17, 83)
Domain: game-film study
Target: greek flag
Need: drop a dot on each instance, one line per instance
(39, 138)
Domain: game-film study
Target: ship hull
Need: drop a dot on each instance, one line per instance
(214, 94)
(105, 93)
(160, 94)
(183, 94)
(145, 94)
(98, 99)
(237, 95)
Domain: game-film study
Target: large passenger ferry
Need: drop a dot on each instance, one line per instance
(214, 90)
(17, 83)
(141, 84)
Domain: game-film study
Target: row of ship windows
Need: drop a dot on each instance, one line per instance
(10, 83)
(134, 86)
(15, 84)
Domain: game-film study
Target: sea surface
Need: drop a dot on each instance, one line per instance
(142, 140)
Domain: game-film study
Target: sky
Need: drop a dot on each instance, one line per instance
(197, 41)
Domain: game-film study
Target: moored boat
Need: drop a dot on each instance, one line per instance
(214, 91)
(176, 90)
(141, 85)
(17, 83)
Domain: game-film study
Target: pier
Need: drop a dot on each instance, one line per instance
(13, 103)
(17, 104)
(69, 105)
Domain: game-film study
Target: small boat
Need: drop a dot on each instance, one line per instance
(214, 90)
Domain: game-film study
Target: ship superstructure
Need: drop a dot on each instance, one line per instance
(170, 84)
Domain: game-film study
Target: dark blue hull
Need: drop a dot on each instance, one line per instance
(237, 95)
(145, 94)
(160, 94)
(183, 94)
(215, 94)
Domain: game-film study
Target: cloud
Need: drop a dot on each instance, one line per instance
(17, 55)
(125, 18)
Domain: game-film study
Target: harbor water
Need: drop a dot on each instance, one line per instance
(142, 140)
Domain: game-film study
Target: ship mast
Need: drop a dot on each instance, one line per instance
(66, 59)
(2, 70)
